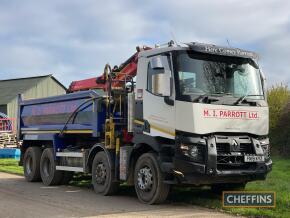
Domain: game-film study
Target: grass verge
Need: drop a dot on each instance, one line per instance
(10, 166)
(278, 180)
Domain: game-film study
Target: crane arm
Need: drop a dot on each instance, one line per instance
(125, 71)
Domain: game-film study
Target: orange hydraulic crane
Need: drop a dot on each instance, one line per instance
(120, 75)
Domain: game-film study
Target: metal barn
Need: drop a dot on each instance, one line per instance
(32, 87)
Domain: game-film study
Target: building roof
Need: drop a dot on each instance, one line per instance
(10, 88)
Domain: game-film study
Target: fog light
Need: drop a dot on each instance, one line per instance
(194, 151)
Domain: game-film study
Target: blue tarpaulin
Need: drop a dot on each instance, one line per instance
(10, 153)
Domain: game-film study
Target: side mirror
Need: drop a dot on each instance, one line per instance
(159, 62)
(264, 84)
(161, 84)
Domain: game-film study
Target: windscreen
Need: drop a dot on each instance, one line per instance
(199, 74)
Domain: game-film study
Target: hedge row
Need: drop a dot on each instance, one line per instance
(279, 109)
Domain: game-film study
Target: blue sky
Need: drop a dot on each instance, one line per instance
(75, 39)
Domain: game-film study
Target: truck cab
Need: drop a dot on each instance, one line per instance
(210, 104)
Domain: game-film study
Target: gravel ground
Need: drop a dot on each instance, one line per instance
(19, 198)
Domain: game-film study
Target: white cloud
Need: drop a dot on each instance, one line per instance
(74, 39)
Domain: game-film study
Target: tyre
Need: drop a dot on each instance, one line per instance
(148, 180)
(219, 188)
(102, 175)
(48, 172)
(31, 164)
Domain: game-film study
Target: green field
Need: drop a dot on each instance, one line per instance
(278, 180)
(10, 166)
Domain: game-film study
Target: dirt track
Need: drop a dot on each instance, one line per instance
(19, 198)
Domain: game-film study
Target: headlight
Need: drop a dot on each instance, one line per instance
(184, 147)
(266, 150)
(195, 152)
(265, 144)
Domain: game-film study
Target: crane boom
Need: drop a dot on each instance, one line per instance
(125, 71)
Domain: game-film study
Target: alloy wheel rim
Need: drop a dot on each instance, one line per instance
(145, 179)
(101, 173)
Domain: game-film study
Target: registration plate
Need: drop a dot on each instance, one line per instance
(254, 158)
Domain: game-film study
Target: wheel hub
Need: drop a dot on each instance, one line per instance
(101, 173)
(145, 179)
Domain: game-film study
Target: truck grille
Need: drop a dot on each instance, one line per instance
(231, 151)
(225, 145)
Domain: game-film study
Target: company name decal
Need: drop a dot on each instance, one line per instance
(230, 114)
(229, 51)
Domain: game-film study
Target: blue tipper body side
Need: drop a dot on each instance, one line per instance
(46, 118)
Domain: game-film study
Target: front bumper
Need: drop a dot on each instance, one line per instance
(221, 164)
(194, 173)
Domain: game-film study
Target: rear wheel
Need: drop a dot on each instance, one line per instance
(31, 164)
(48, 172)
(148, 180)
(102, 175)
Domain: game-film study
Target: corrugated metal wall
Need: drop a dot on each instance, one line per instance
(45, 88)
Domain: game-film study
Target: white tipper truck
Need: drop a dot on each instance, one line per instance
(194, 114)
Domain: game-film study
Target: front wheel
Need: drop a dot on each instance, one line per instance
(102, 175)
(148, 180)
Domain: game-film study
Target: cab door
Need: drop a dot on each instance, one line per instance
(158, 99)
